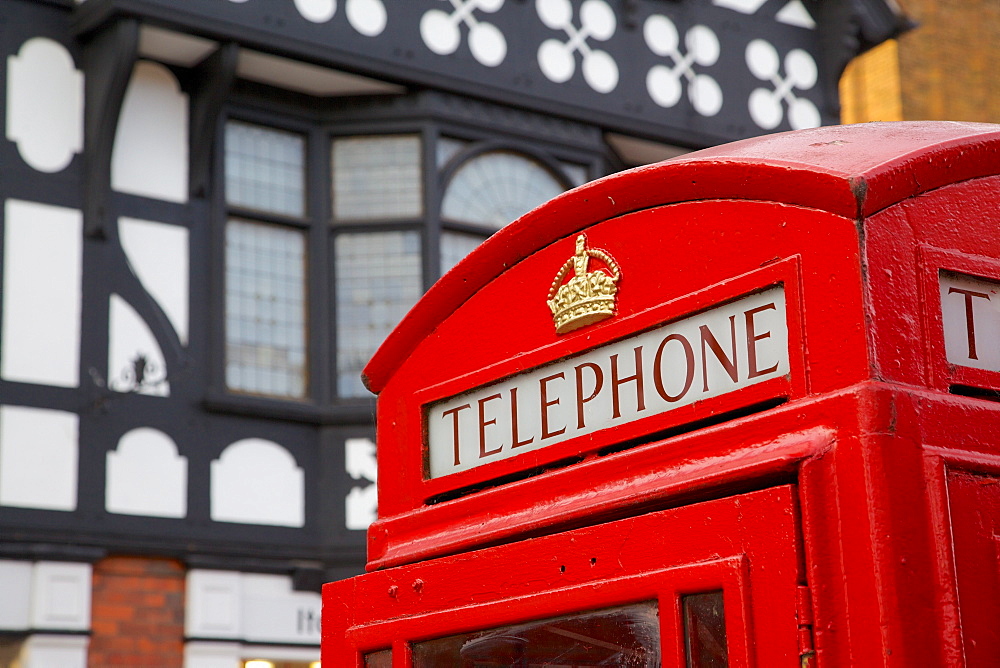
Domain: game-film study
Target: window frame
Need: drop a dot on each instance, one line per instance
(473, 150)
(317, 392)
(322, 403)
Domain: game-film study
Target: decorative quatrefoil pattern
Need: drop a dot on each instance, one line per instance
(796, 72)
(685, 62)
(557, 57)
(700, 48)
(442, 33)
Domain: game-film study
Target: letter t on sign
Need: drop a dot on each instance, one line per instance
(970, 319)
(454, 412)
(970, 315)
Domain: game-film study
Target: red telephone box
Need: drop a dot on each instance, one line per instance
(735, 409)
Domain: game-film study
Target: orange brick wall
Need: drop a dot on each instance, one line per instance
(951, 63)
(137, 618)
(948, 68)
(870, 87)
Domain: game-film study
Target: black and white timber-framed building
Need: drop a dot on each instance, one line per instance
(214, 210)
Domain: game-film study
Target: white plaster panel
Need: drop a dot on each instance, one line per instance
(213, 604)
(41, 299)
(796, 14)
(273, 612)
(44, 105)
(307, 78)
(257, 482)
(212, 655)
(38, 458)
(150, 156)
(129, 337)
(172, 47)
(61, 596)
(55, 651)
(361, 504)
(15, 603)
(361, 507)
(146, 476)
(158, 254)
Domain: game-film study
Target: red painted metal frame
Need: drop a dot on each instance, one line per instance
(727, 545)
(858, 222)
(763, 252)
(955, 227)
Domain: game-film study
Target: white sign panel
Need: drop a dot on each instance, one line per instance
(970, 309)
(273, 613)
(706, 355)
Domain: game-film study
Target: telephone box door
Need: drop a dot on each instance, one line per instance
(714, 584)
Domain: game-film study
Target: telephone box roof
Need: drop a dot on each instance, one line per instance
(819, 168)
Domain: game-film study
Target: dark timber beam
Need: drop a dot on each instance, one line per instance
(108, 58)
(215, 80)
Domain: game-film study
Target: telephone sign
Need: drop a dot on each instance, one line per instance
(720, 350)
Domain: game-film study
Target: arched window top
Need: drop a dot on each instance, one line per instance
(496, 187)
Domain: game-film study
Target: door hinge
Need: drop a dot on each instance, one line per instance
(804, 612)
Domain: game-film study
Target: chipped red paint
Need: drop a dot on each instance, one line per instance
(873, 441)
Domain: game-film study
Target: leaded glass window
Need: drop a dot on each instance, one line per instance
(448, 148)
(455, 246)
(293, 234)
(494, 188)
(377, 178)
(489, 191)
(265, 309)
(378, 278)
(265, 262)
(265, 169)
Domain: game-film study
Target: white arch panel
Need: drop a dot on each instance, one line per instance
(146, 476)
(44, 105)
(256, 481)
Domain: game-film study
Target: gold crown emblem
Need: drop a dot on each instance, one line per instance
(589, 296)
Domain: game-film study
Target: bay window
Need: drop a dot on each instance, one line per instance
(330, 237)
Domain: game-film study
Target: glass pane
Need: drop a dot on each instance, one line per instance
(378, 279)
(455, 246)
(577, 173)
(447, 148)
(705, 630)
(381, 659)
(627, 636)
(265, 169)
(377, 178)
(265, 309)
(495, 188)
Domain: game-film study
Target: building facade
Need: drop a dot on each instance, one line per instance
(946, 68)
(213, 212)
